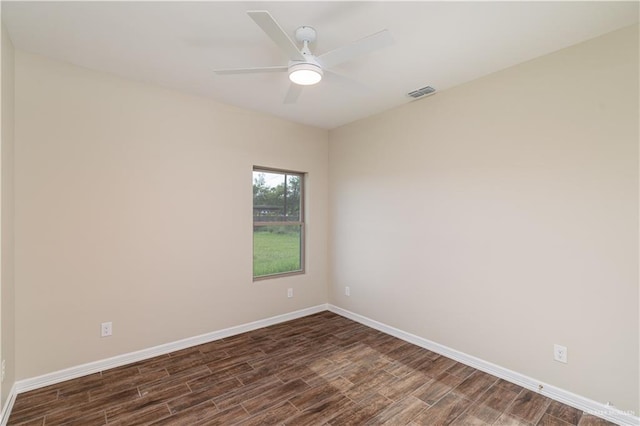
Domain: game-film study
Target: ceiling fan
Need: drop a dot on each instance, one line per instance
(304, 67)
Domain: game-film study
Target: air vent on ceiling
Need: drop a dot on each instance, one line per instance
(421, 92)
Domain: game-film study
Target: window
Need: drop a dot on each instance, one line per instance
(278, 223)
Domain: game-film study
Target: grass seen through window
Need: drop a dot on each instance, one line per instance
(275, 252)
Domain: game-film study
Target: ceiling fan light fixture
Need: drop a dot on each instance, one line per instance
(305, 74)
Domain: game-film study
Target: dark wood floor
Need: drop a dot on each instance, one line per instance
(317, 370)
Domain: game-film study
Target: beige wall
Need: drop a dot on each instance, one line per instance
(7, 342)
(134, 205)
(501, 217)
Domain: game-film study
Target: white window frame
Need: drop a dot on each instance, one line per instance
(300, 223)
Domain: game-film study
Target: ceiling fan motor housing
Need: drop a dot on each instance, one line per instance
(307, 34)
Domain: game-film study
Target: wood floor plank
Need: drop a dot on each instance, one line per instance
(142, 416)
(435, 367)
(158, 397)
(366, 389)
(433, 391)
(400, 412)
(226, 417)
(131, 380)
(272, 396)
(475, 385)
(503, 383)
(443, 412)
(177, 379)
(489, 406)
(273, 416)
(363, 412)
(589, 420)
(76, 417)
(564, 412)
(549, 420)
(190, 399)
(529, 406)
(71, 405)
(324, 412)
(313, 396)
(32, 399)
(36, 422)
(156, 363)
(246, 392)
(210, 381)
(506, 419)
(190, 416)
(403, 386)
(460, 370)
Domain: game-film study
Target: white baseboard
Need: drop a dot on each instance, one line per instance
(8, 405)
(128, 358)
(581, 403)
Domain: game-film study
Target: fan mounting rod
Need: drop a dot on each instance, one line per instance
(306, 35)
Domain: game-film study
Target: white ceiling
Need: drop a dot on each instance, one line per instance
(177, 44)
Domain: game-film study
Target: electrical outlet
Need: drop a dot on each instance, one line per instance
(560, 353)
(289, 292)
(347, 291)
(4, 367)
(106, 329)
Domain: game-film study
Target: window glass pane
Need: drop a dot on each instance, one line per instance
(268, 197)
(276, 249)
(292, 206)
(276, 197)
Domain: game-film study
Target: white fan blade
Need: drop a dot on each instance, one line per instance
(276, 33)
(293, 93)
(250, 70)
(345, 82)
(357, 48)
